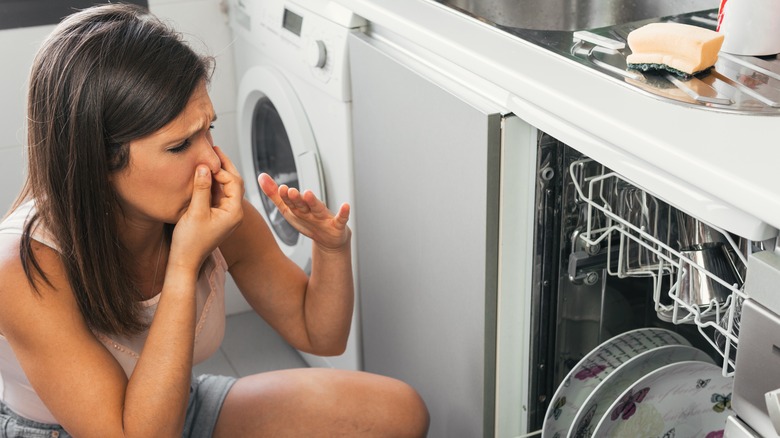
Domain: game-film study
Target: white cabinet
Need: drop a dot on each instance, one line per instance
(427, 154)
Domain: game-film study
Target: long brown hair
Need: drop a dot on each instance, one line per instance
(105, 76)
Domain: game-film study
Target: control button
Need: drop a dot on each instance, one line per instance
(316, 54)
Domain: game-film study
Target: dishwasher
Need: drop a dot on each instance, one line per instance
(497, 259)
(613, 263)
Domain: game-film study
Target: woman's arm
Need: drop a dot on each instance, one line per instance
(76, 377)
(162, 375)
(72, 372)
(313, 314)
(78, 380)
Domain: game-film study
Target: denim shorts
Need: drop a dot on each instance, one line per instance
(207, 392)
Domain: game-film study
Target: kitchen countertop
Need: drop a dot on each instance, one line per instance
(724, 162)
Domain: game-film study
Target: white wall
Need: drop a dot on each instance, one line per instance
(17, 50)
(204, 25)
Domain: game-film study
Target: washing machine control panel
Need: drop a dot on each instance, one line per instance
(309, 43)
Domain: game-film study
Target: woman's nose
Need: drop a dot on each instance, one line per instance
(210, 158)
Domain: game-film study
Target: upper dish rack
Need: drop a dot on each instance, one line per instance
(642, 233)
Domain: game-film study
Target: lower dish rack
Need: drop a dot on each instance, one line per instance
(694, 282)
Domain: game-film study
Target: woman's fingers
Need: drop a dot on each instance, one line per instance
(317, 208)
(269, 187)
(228, 176)
(201, 192)
(306, 212)
(295, 201)
(282, 195)
(227, 164)
(342, 216)
(232, 185)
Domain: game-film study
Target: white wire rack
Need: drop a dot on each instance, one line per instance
(642, 233)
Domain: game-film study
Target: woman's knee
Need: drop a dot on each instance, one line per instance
(417, 416)
(348, 403)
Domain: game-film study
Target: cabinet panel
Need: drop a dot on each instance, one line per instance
(426, 186)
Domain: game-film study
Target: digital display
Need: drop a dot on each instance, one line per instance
(292, 22)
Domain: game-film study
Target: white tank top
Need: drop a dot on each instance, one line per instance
(16, 391)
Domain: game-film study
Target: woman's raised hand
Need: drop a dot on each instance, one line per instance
(214, 212)
(309, 215)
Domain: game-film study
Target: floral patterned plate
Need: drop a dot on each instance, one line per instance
(624, 376)
(594, 368)
(683, 399)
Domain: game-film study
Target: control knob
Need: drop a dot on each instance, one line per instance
(317, 54)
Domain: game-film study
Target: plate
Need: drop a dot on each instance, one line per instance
(683, 399)
(594, 368)
(600, 399)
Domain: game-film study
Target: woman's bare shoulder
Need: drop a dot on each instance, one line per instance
(18, 297)
(11, 263)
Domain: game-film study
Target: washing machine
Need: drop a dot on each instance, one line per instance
(294, 117)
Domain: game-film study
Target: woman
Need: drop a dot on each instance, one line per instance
(113, 260)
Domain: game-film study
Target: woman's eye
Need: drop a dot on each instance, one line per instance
(184, 146)
(181, 148)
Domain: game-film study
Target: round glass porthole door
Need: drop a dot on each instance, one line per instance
(273, 154)
(275, 137)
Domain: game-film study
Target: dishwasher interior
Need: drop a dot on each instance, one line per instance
(609, 258)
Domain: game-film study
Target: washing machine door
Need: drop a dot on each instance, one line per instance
(275, 137)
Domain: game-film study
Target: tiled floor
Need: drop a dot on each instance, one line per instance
(250, 346)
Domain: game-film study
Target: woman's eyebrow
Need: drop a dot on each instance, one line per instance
(194, 129)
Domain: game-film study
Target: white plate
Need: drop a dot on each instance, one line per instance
(600, 399)
(684, 399)
(594, 368)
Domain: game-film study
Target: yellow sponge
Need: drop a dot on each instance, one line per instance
(680, 48)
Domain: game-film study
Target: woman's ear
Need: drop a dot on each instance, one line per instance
(118, 156)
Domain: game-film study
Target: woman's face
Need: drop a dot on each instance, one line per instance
(157, 182)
